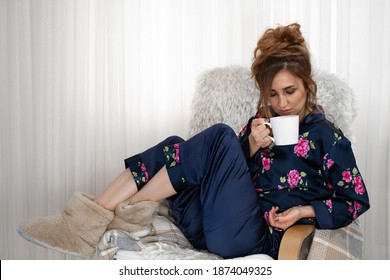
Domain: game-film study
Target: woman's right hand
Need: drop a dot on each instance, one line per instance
(259, 136)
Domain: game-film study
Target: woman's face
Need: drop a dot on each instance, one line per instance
(288, 95)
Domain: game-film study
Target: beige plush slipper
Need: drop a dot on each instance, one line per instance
(134, 217)
(76, 231)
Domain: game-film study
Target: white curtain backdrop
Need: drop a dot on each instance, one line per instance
(85, 83)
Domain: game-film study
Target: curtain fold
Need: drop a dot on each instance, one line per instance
(87, 83)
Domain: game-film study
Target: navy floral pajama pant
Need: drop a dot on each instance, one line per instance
(216, 206)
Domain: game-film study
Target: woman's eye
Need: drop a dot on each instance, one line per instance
(290, 91)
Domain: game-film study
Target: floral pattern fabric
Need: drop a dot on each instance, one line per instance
(320, 170)
(172, 155)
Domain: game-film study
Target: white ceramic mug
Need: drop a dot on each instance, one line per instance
(285, 129)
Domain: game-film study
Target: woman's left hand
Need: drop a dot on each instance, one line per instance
(289, 217)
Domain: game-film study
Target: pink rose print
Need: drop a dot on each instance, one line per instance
(347, 176)
(143, 169)
(293, 178)
(329, 203)
(266, 152)
(325, 156)
(359, 189)
(242, 132)
(329, 185)
(302, 148)
(259, 190)
(329, 163)
(356, 207)
(177, 157)
(266, 163)
(354, 178)
(266, 218)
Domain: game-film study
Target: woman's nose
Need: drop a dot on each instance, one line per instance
(282, 101)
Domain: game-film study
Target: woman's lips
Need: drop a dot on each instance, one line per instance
(285, 112)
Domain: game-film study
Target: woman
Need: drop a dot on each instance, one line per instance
(233, 197)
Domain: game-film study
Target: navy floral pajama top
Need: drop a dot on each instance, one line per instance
(324, 174)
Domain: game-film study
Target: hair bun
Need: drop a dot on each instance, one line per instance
(282, 40)
(290, 34)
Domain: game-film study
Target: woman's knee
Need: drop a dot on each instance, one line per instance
(173, 140)
(223, 130)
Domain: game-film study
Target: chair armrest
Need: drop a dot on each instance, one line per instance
(296, 242)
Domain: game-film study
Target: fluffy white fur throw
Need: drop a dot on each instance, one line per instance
(338, 100)
(225, 95)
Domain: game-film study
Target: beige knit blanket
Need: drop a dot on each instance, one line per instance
(157, 226)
